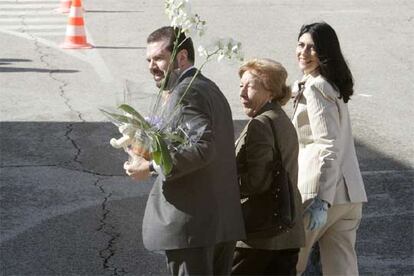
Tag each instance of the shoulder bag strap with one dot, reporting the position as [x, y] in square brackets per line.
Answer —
[276, 160]
[298, 97]
[288, 189]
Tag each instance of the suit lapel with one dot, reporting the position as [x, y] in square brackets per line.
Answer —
[241, 137]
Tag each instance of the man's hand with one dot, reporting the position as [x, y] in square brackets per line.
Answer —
[318, 213]
[137, 168]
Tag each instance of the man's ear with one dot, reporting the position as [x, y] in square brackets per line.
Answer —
[182, 58]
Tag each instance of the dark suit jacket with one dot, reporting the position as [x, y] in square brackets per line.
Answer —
[254, 151]
[197, 204]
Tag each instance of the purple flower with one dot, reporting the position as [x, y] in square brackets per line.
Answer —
[155, 121]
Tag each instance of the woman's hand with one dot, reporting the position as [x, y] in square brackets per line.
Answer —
[318, 213]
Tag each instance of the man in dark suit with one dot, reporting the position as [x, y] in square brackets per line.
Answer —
[194, 212]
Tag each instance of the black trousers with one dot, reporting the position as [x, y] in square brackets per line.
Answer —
[250, 261]
[212, 260]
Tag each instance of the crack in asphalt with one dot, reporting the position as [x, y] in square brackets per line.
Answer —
[109, 230]
[62, 93]
[69, 128]
[62, 83]
[106, 228]
[61, 87]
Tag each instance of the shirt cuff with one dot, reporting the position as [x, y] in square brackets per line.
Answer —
[157, 168]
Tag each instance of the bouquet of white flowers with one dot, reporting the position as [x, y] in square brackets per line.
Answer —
[153, 137]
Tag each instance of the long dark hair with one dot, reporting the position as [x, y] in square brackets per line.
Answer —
[332, 65]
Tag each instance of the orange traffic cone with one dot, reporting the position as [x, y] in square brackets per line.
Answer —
[75, 31]
[64, 6]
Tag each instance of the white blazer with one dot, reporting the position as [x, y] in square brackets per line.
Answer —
[328, 165]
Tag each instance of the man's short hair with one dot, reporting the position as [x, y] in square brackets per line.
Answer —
[170, 33]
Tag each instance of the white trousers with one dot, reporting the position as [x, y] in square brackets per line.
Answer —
[336, 241]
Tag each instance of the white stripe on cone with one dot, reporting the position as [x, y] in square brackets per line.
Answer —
[75, 31]
[75, 12]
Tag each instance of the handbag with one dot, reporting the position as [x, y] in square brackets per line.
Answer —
[272, 212]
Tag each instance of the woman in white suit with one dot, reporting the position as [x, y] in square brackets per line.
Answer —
[329, 178]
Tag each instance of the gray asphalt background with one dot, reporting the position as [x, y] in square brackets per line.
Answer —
[66, 206]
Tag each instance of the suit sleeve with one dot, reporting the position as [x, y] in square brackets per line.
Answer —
[323, 116]
[255, 159]
[195, 117]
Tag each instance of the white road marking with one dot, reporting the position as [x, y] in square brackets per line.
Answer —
[33, 12]
[33, 27]
[33, 20]
[28, 6]
[29, 1]
[61, 34]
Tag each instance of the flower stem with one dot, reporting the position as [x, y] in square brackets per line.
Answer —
[189, 85]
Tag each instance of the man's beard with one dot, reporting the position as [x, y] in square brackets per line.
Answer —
[170, 78]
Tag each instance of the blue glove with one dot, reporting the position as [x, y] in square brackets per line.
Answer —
[318, 213]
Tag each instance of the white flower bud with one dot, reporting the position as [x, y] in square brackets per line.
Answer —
[202, 51]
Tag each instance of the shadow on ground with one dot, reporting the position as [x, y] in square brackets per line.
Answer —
[66, 207]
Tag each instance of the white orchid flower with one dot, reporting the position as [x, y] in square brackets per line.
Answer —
[202, 51]
[220, 56]
[229, 48]
[223, 48]
[180, 15]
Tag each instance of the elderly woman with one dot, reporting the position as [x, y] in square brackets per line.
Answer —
[263, 92]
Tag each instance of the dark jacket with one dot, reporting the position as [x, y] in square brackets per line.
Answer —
[254, 151]
[197, 204]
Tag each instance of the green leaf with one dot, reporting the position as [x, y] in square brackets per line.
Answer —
[121, 118]
[165, 160]
[156, 156]
[175, 138]
[130, 110]
[155, 150]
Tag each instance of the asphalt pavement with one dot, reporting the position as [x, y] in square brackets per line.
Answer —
[66, 206]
